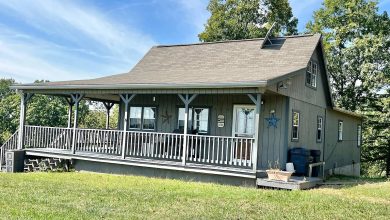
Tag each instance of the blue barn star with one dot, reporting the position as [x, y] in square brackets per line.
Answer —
[272, 121]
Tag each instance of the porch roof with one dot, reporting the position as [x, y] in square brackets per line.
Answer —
[227, 64]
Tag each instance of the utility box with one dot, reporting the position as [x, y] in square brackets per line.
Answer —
[14, 161]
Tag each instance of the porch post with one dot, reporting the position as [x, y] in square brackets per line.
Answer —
[24, 98]
[126, 98]
[76, 98]
[186, 100]
[70, 107]
[108, 106]
[257, 101]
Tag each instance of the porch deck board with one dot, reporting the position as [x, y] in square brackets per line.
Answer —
[142, 162]
[295, 183]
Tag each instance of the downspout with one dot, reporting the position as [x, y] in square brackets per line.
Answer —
[324, 144]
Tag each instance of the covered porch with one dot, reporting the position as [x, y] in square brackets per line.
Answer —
[183, 143]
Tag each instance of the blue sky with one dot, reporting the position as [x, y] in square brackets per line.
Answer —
[65, 40]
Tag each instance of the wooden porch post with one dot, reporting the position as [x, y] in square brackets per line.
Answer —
[186, 100]
[76, 98]
[25, 97]
[126, 98]
[257, 101]
[70, 106]
[108, 106]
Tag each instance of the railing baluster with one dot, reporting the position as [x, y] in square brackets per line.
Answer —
[208, 150]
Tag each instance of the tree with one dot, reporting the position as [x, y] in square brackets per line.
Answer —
[245, 19]
[376, 154]
[42, 110]
[96, 117]
[357, 48]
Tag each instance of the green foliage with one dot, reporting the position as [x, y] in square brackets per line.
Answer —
[42, 110]
[356, 41]
[96, 117]
[245, 19]
[357, 45]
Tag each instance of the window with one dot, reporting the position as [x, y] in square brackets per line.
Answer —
[319, 128]
[359, 135]
[135, 117]
[198, 119]
[201, 119]
[340, 131]
[149, 120]
[181, 118]
[142, 117]
[311, 74]
[295, 126]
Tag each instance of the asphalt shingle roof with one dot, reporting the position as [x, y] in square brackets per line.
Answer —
[228, 62]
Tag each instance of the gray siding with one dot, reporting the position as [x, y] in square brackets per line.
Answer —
[308, 125]
[218, 104]
[273, 141]
[341, 153]
[298, 89]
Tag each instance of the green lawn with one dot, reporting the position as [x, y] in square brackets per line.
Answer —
[92, 196]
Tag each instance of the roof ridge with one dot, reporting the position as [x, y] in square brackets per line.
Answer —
[231, 41]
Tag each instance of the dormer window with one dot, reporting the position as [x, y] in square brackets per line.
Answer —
[311, 74]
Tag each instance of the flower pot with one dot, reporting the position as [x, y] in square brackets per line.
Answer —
[279, 175]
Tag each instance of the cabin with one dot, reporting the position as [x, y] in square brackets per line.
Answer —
[222, 112]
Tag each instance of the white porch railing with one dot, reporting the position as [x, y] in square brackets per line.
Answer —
[99, 141]
[167, 146]
[201, 149]
[231, 151]
[47, 137]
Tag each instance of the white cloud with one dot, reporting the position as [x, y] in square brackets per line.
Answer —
[65, 40]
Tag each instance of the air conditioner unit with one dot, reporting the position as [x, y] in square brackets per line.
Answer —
[14, 161]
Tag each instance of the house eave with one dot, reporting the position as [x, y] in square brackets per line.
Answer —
[142, 86]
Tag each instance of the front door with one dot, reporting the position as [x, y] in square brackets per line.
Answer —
[243, 126]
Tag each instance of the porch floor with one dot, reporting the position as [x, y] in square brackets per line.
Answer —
[295, 183]
[141, 162]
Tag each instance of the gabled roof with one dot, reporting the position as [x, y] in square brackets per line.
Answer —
[240, 63]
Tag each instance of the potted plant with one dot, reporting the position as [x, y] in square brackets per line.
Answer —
[275, 173]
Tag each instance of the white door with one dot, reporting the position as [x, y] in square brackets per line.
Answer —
[244, 121]
[243, 126]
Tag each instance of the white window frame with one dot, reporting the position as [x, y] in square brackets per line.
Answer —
[141, 128]
[194, 121]
[143, 119]
[340, 130]
[191, 118]
[293, 125]
[311, 74]
[320, 128]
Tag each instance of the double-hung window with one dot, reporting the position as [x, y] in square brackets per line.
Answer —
[142, 118]
[340, 130]
[311, 74]
[320, 124]
[198, 119]
[295, 126]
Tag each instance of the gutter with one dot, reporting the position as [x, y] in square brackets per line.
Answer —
[142, 86]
